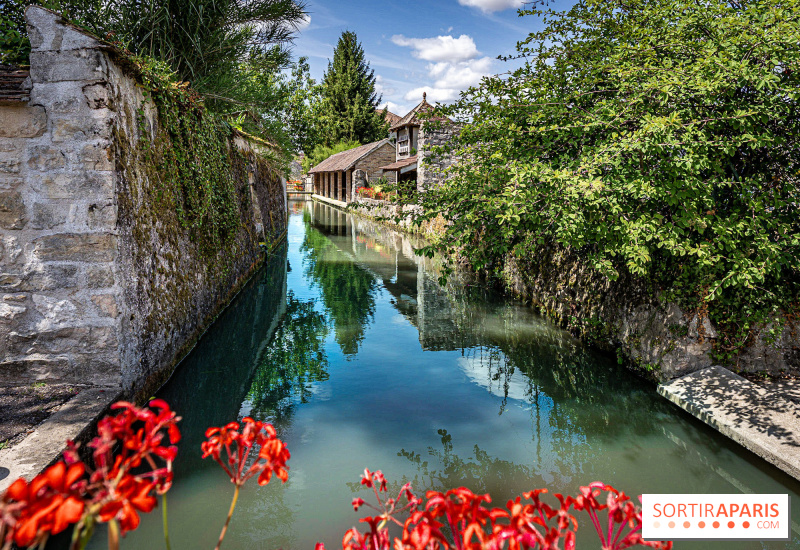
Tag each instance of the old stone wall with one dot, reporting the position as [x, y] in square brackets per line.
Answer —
[629, 315]
[100, 281]
[433, 157]
[372, 163]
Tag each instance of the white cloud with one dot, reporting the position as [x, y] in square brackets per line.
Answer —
[460, 75]
[396, 108]
[304, 23]
[488, 6]
[455, 65]
[435, 95]
[440, 48]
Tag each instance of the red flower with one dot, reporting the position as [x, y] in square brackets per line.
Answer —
[238, 444]
[129, 496]
[47, 505]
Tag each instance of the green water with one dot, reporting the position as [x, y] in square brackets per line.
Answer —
[346, 342]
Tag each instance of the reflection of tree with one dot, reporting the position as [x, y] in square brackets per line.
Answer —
[292, 362]
[348, 290]
[481, 472]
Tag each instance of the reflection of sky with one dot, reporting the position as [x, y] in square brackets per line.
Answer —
[394, 396]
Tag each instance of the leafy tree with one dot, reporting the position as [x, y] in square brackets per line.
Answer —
[348, 88]
[657, 138]
[304, 108]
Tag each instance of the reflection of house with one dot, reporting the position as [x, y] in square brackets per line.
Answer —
[338, 176]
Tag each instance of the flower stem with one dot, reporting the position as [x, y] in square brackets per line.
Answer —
[113, 535]
[164, 520]
[228, 520]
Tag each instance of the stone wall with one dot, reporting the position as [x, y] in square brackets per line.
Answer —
[628, 315]
[100, 284]
[433, 158]
[371, 164]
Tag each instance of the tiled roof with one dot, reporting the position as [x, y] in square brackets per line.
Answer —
[400, 164]
[346, 159]
[391, 118]
[12, 84]
[411, 118]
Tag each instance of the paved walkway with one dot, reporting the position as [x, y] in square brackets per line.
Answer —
[74, 420]
[764, 419]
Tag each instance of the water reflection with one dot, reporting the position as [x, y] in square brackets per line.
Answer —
[293, 362]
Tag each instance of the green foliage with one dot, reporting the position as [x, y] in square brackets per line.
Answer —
[196, 167]
[350, 101]
[322, 152]
[15, 47]
[656, 137]
[303, 109]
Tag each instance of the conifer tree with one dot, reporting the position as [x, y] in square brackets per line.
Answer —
[350, 97]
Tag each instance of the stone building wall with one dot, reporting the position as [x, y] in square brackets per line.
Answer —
[432, 163]
[99, 284]
[371, 164]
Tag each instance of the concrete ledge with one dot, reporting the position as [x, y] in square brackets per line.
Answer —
[326, 200]
[74, 420]
[764, 420]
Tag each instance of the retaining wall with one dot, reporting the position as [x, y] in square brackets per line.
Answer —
[101, 283]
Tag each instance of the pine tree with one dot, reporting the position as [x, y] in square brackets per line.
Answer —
[350, 97]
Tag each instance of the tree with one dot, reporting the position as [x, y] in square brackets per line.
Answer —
[304, 108]
[658, 138]
[348, 88]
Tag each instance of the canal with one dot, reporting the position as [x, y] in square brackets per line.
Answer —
[348, 345]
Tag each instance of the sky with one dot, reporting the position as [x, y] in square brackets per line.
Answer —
[436, 46]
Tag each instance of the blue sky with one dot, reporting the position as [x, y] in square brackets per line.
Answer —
[437, 46]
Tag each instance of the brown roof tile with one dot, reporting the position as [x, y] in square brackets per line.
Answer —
[400, 164]
[391, 118]
[346, 159]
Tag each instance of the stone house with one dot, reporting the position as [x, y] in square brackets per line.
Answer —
[338, 176]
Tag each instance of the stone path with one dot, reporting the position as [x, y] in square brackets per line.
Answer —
[74, 420]
[764, 419]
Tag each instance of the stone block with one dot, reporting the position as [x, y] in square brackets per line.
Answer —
[106, 305]
[9, 312]
[10, 182]
[33, 368]
[22, 121]
[76, 185]
[57, 341]
[12, 210]
[12, 249]
[101, 216]
[71, 65]
[15, 298]
[50, 31]
[81, 128]
[98, 96]
[11, 146]
[48, 215]
[99, 276]
[97, 156]
[60, 97]
[47, 277]
[9, 165]
[46, 158]
[87, 247]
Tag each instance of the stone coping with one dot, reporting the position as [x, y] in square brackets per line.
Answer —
[763, 419]
[334, 202]
[75, 421]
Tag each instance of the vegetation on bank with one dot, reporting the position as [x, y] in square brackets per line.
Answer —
[656, 138]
